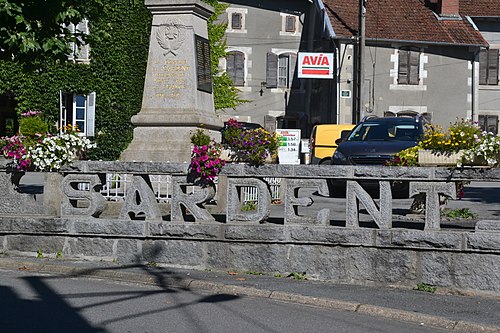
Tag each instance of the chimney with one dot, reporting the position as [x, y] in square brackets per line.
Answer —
[448, 7]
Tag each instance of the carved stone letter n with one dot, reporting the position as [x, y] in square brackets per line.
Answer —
[355, 194]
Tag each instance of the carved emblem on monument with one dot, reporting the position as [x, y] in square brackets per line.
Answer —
[170, 36]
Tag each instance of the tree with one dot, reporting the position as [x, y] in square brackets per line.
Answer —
[32, 31]
[225, 94]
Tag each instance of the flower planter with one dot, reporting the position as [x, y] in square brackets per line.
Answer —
[433, 158]
[229, 155]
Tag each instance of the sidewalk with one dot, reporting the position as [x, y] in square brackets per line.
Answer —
[465, 313]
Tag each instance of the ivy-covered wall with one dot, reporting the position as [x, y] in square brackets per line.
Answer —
[116, 73]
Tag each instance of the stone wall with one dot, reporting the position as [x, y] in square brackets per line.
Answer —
[185, 233]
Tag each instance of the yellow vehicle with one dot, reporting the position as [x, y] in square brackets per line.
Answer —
[322, 142]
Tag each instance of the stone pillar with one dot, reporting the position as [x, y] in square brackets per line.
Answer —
[177, 96]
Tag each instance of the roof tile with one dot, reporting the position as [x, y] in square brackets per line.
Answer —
[406, 20]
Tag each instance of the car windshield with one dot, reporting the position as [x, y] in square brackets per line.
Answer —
[385, 131]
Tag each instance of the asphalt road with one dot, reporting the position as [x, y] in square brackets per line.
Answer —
[42, 303]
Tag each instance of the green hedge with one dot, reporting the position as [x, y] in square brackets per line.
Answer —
[116, 74]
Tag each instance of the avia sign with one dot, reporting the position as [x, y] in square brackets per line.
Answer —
[315, 65]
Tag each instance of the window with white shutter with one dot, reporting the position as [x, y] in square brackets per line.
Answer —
[235, 67]
[77, 111]
[409, 67]
[488, 67]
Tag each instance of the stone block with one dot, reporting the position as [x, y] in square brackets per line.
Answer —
[127, 251]
[32, 225]
[383, 238]
[427, 239]
[90, 247]
[332, 235]
[26, 243]
[477, 271]
[106, 226]
[381, 265]
[483, 241]
[255, 232]
[217, 256]
[488, 225]
[437, 268]
[258, 257]
[173, 252]
[187, 230]
[332, 263]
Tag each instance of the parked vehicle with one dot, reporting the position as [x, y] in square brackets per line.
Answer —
[322, 142]
[374, 141]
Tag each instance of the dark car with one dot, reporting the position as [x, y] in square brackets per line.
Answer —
[374, 141]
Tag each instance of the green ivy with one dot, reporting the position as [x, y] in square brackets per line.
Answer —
[119, 44]
[116, 73]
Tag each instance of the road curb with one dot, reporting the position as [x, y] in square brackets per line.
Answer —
[222, 288]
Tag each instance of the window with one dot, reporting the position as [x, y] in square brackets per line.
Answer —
[79, 53]
[235, 67]
[280, 70]
[236, 21]
[408, 69]
[290, 23]
[78, 111]
[488, 123]
[488, 67]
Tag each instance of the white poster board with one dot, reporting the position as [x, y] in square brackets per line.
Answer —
[315, 65]
[288, 151]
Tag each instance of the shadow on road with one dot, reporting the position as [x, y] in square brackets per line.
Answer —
[49, 311]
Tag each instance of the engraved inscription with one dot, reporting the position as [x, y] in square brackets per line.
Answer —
[203, 67]
[170, 78]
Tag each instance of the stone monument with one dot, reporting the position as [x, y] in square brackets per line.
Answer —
[177, 96]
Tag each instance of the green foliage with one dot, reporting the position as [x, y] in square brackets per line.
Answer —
[426, 287]
[460, 213]
[225, 94]
[116, 73]
[249, 206]
[119, 41]
[250, 145]
[30, 126]
[254, 273]
[200, 138]
[407, 157]
[462, 134]
[34, 31]
[59, 255]
[39, 254]
[297, 275]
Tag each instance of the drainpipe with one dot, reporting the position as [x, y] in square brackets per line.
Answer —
[361, 60]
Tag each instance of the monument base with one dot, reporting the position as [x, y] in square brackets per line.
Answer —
[163, 144]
